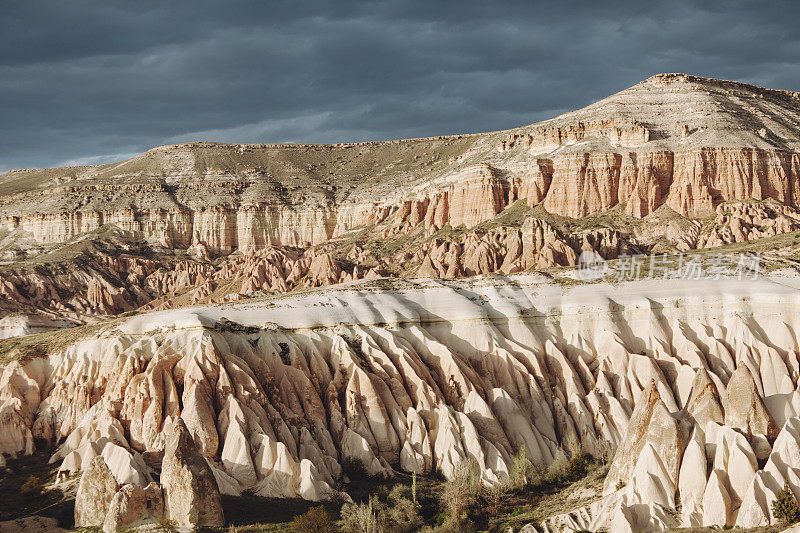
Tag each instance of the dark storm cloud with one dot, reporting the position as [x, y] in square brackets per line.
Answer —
[86, 82]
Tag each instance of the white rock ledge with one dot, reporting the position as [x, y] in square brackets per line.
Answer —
[419, 374]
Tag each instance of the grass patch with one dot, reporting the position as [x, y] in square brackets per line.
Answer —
[548, 499]
[251, 513]
[42, 344]
[19, 497]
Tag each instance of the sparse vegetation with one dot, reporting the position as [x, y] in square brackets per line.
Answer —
[557, 471]
[785, 507]
[459, 495]
[403, 504]
[24, 490]
[360, 518]
[496, 497]
[402, 513]
[576, 468]
[42, 344]
[315, 520]
[249, 513]
[392, 511]
[32, 487]
[523, 472]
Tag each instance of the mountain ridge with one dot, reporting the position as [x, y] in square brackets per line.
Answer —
[661, 78]
[674, 163]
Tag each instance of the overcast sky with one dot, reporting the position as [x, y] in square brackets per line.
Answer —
[86, 82]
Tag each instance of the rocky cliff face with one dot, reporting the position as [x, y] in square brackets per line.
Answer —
[576, 185]
[113, 276]
[108, 283]
[672, 164]
[275, 396]
[685, 142]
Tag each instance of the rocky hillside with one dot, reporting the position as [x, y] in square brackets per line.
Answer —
[671, 164]
[688, 388]
[676, 140]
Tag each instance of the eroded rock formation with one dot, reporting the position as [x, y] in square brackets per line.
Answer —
[115, 490]
[276, 397]
[191, 495]
[107, 283]
[642, 171]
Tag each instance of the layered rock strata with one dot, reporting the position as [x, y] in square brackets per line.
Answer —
[574, 185]
[680, 141]
[114, 280]
[109, 283]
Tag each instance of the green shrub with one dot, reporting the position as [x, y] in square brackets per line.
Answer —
[401, 514]
[33, 486]
[461, 493]
[354, 469]
[557, 470]
[393, 511]
[360, 518]
[495, 498]
[524, 473]
[576, 468]
[785, 507]
[439, 519]
[315, 520]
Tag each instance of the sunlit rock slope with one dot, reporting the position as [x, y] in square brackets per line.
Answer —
[661, 378]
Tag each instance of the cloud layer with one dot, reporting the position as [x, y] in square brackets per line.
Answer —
[86, 82]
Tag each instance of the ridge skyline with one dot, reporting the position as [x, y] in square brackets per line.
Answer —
[672, 76]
